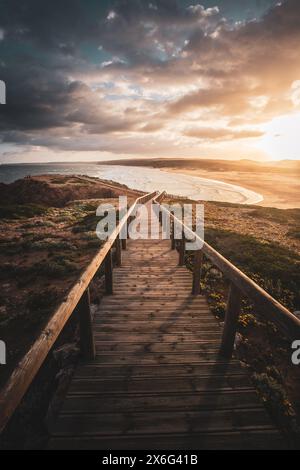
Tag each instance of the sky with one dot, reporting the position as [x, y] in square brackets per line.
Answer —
[94, 80]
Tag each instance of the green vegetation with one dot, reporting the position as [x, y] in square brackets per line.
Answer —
[20, 211]
[54, 268]
[52, 244]
[87, 224]
[38, 224]
[295, 233]
[270, 386]
[273, 267]
[277, 215]
[38, 242]
[42, 302]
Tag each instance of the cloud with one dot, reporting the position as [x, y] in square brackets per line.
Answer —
[210, 133]
[255, 59]
[99, 75]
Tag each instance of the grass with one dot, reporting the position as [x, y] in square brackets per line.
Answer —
[42, 302]
[295, 233]
[57, 267]
[87, 224]
[51, 244]
[38, 224]
[277, 215]
[273, 393]
[35, 242]
[21, 211]
[275, 268]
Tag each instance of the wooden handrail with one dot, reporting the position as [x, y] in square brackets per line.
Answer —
[20, 380]
[274, 311]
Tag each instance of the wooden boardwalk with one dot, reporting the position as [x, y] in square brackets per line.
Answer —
[158, 381]
[157, 375]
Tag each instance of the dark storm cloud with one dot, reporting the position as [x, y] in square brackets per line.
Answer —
[153, 32]
[53, 55]
[57, 24]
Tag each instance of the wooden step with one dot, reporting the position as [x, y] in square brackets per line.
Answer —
[162, 422]
[243, 399]
[255, 439]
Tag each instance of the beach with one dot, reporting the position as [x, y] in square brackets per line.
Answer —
[277, 182]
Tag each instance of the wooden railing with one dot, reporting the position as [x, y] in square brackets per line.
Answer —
[240, 285]
[79, 299]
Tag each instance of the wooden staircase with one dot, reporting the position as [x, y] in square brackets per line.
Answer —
[158, 381]
[157, 369]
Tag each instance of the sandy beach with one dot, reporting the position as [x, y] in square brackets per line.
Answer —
[177, 183]
[278, 183]
[281, 191]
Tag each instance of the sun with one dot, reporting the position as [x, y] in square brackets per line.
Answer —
[282, 138]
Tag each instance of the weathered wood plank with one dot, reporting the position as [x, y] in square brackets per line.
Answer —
[109, 283]
[266, 439]
[169, 422]
[87, 343]
[242, 399]
[231, 321]
[160, 385]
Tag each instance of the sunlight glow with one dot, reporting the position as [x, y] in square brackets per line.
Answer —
[281, 139]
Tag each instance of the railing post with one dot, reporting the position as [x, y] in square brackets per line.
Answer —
[194, 218]
[173, 241]
[87, 344]
[231, 321]
[118, 252]
[198, 259]
[182, 250]
[109, 273]
[129, 220]
[124, 244]
[160, 216]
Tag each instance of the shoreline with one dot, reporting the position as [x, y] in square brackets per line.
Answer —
[148, 179]
[276, 184]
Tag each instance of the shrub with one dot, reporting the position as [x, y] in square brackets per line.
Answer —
[42, 302]
[19, 211]
[52, 244]
[294, 233]
[275, 397]
[246, 320]
[273, 267]
[54, 268]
